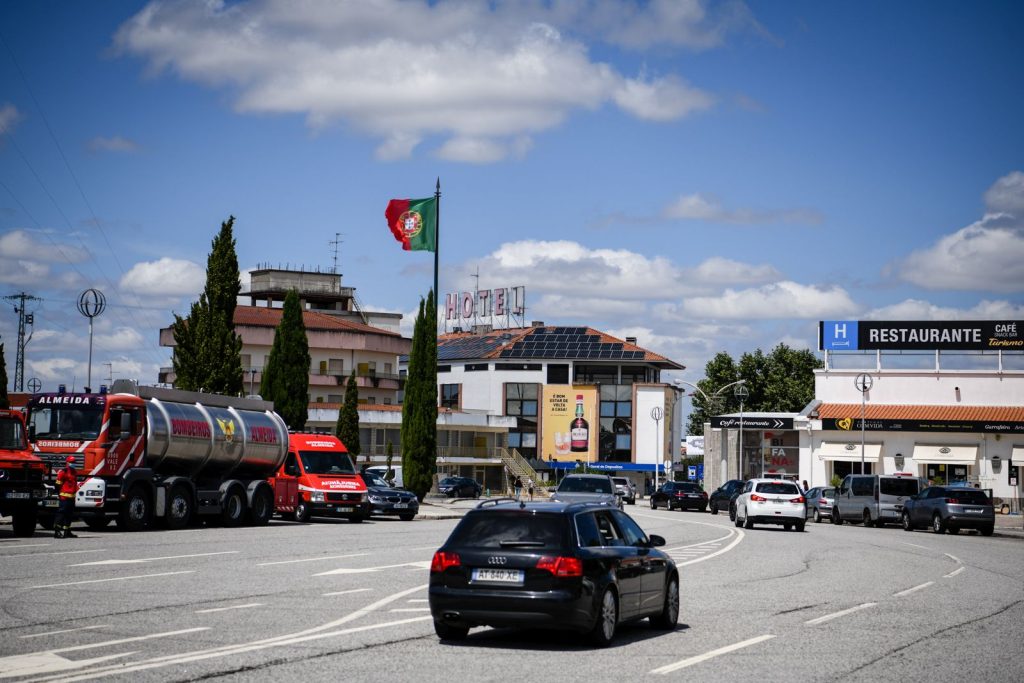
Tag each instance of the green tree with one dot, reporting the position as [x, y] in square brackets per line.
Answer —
[286, 377]
[347, 428]
[419, 409]
[719, 371]
[4, 401]
[207, 351]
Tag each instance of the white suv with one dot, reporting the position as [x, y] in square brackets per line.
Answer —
[771, 501]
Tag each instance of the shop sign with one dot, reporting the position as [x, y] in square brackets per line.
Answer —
[958, 335]
[848, 424]
[779, 423]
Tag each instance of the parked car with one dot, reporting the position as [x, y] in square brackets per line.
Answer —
[572, 566]
[627, 488]
[949, 508]
[819, 502]
[684, 495]
[771, 501]
[873, 499]
[587, 488]
[459, 487]
[722, 497]
[388, 500]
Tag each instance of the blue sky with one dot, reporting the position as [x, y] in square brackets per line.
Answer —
[705, 176]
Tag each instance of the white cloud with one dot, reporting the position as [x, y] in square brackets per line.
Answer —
[778, 300]
[165, 277]
[9, 116]
[23, 244]
[699, 207]
[917, 309]
[475, 75]
[113, 144]
[1007, 195]
[121, 339]
[718, 271]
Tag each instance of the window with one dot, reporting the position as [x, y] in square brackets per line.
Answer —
[387, 368]
[521, 401]
[499, 530]
[778, 489]
[477, 367]
[558, 374]
[862, 486]
[450, 396]
[595, 374]
[631, 532]
[615, 440]
[336, 366]
[246, 361]
[517, 366]
[586, 530]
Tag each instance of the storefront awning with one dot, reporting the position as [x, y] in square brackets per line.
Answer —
[848, 451]
[957, 455]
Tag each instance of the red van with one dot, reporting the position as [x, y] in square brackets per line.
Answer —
[318, 479]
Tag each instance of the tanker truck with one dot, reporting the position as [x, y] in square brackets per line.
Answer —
[21, 474]
[156, 455]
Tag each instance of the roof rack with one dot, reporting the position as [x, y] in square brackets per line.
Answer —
[495, 501]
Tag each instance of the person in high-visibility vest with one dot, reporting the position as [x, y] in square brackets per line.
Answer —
[67, 480]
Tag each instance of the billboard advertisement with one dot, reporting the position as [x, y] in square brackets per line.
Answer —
[956, 335]
[570, 423]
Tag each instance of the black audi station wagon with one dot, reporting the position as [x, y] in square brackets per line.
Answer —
[575, 566]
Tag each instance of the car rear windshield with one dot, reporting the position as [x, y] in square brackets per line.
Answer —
[777, 487]
[899, 487]
[970, 496]
[622, 481]
[585, 485]
[494, 529]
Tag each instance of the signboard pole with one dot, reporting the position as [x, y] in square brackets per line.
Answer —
[656, 415]
[863, 384]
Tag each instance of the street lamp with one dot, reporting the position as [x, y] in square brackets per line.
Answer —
[713, 398]
[863, 383]
[741, 393]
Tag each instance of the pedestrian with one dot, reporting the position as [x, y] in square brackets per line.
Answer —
[806, 488]
[529, 487]
[517, 484]
[67, 481]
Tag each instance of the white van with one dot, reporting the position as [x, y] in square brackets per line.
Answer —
[874, 499]
[382, 471]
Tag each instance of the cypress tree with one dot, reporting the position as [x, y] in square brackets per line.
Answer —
[4, 401]
[419, 411]
[286, 377]
[207, 351]
[347, 428]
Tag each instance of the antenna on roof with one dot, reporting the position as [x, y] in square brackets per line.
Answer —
[334, 243]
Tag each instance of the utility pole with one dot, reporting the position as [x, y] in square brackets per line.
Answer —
[23, 320]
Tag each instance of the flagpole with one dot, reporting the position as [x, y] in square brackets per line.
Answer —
[437, 240]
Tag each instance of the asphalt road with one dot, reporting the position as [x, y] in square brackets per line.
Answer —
[347, 602]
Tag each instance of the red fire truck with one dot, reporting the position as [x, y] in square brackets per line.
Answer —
[153, 454]
[318, 479]
[21, 474]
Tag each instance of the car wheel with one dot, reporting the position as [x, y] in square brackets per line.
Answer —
[938, 526]
[836, 518]
[302, 512]
[987, 530]
[669, 614]
[953, 530]
[713, 509]
[817, 516]
[747, 524]
[732, 513]
[607, 619]
[787, 527]
[737, 521]
[448, 632]
[800, 525]
[406, 517]
[653, 505]
[906, 523]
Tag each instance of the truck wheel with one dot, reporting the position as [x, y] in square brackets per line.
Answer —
[96, 523]
[232, 511]
[302, 512]
[262, 507]
[179, 508]
[135, 510]
[24, 522]
[356, 519]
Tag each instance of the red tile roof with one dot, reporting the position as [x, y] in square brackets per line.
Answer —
[261, 316]
[923, 412]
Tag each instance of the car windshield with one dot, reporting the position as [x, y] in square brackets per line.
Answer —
[621, 481]
[326, 462]
[12, 436]
[899, 487]
[777, 487]
[374, 480]
[66, 423]
[450, 481]
[828, 493]
[509, 530]
[969, 496]
[585, 485]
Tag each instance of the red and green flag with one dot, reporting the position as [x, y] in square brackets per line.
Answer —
[413, 222]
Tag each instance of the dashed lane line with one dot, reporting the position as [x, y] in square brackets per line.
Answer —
[225, 609]
[63, 630]
[311, 559]
[954, 573]
[690, 661]
[912, 590]
[840, 613]
[115, 578]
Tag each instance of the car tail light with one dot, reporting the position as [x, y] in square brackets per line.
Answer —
[561, 566]
[703, 494]
[758, 498]
[443, 561]
[798, 499]
[953, 501]
[822, 501]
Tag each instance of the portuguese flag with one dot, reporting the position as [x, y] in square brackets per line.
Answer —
[413, 222]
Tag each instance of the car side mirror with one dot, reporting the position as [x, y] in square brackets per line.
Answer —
[656, 540]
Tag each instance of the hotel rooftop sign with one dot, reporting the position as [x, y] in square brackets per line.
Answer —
[955, 335]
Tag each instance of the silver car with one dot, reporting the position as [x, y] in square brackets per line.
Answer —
[819, 502]
[588, 488]
[627, 488]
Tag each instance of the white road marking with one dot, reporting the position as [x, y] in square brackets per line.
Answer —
[116, 578]
[24, 545]
[63, 630]
[914, 545]
[417, 600]
[310, 559]
[690, 661]
[225, 609]
[59, 552]
[46, 663]
[841, 613]
[133, 639]
[411, 609]
[354, 590]
[368, 570]
[151, 559]
[912, 590]
[954, 573]
[955, 559]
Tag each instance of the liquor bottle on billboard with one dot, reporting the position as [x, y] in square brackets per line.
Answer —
[579, 429]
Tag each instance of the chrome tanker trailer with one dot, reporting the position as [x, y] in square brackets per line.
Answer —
[149, 454]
